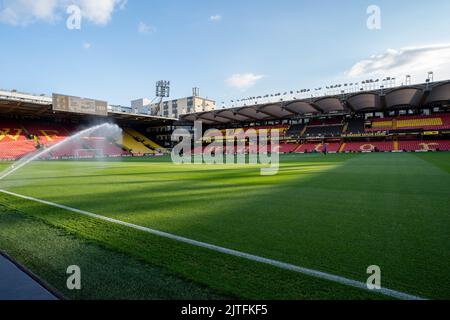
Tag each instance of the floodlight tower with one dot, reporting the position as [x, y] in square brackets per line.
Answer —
[408, 80]
[162, 91]
[430, 79]
[196, 92]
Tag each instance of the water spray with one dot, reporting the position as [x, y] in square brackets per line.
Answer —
[23, 162]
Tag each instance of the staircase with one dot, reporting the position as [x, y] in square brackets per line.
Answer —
[394, 124]
[297, 148]
[344, 130]
[396, 147]
[303, 131]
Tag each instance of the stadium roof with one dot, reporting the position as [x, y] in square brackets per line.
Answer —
[41, 106]
[376, 100]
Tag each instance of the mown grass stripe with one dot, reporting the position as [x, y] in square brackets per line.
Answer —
[286, 266]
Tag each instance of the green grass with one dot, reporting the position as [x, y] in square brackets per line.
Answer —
[337, 214]
[106, 274]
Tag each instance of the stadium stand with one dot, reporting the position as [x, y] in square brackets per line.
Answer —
[133, 146]
[70, 150]
[423, 122]
[405, 120]
[16, 150]
[282, 129]
[47, 133]
[19, 138]
[368, 146]
[432, 122]
[12, 132]
[198, 150]
[150, 144]
[426, 145]
[355, 126]
[324, 131]
[14, 142]
[107, 147]
[288, 147]
[295, 130]
[318, 147]
[326, 122]
[329, 127]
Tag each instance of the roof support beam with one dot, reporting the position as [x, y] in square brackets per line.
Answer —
[42, 111]
[246, 115]
[311, 104]
[383, 102]
[424, 97]
[294, 112]
[349, 105]
[261, 110]
[286, 107]
[283, 108]
[315, 106]
[226, 117]
[202, 117]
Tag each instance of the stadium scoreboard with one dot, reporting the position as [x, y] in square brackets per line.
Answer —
[79, 105]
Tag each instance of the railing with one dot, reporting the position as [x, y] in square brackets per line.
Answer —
[17, 96]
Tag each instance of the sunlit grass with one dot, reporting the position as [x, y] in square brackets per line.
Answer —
[336, 213]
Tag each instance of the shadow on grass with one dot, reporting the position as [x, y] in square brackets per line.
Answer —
[330, 220]
[106, 274]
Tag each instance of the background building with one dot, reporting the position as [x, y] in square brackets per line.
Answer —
[173, 108]
[141, 105]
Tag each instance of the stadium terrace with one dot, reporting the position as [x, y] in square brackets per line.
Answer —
[262, 146]
[401, 119]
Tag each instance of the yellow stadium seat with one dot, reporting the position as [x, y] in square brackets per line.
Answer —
[144, 139]
[427, 122]
[134, 146]
[382, 124]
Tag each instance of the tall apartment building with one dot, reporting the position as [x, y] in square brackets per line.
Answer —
[174, 108]
[141, 105]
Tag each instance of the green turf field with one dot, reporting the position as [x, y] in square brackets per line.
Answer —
[337, 213]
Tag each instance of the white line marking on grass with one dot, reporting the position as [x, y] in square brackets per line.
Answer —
[275, 263]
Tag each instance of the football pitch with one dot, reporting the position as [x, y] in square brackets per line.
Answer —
[337, 214]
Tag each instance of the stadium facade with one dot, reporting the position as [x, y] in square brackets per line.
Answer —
[406, 118]
[173, 108]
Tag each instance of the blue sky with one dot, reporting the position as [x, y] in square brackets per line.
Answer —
[230, 49]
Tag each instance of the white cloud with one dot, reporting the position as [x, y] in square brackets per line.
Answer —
[415, 61]
[87, 45]
[144, 28]
[98, 11]
[243, 81]
[215, 18]
[25, 12]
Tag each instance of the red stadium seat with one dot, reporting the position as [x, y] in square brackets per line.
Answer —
[428, 145]
[368, 146]
[318, 147]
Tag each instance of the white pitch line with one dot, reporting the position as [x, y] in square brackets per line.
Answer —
[275, 263]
